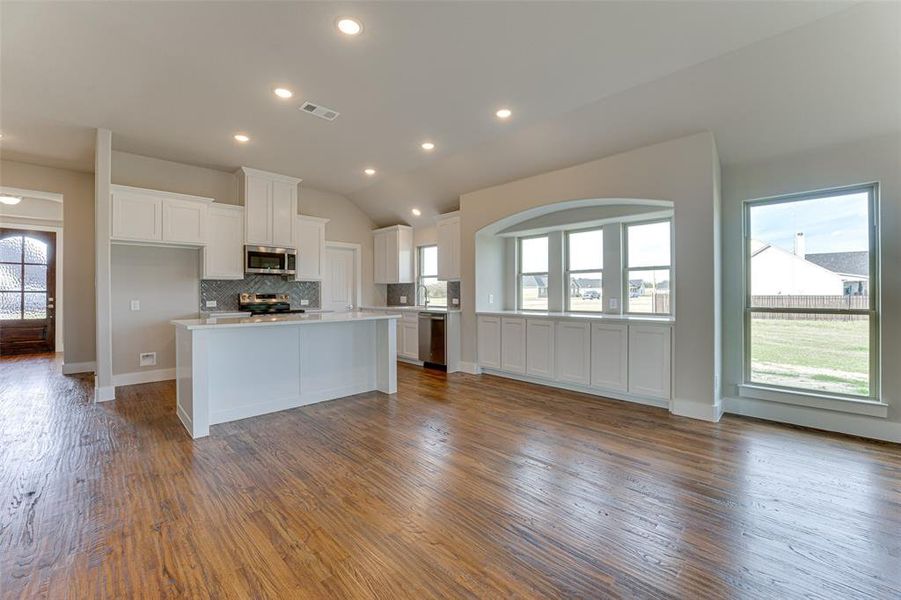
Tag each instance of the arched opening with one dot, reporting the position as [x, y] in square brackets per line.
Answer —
[27, 284]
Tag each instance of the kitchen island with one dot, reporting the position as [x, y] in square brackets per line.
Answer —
[233, 368]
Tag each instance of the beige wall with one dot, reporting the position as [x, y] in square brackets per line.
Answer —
[77, 189]
[166, 281]
[156, 174]
[682, 171]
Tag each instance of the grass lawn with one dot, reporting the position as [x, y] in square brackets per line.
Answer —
[831, 356]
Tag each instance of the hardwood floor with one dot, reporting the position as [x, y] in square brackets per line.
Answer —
[460, 486]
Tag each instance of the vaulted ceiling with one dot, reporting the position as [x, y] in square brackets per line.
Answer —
[176, 80]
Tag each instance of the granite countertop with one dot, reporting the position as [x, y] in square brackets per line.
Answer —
[431, 309]
[283, 320]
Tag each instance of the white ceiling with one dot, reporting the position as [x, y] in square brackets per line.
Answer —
[175, 80]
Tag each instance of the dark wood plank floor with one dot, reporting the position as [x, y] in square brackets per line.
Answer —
[460, 486]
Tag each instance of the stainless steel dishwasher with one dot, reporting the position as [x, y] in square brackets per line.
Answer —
[432, 341]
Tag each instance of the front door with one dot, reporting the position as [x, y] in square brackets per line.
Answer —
[338, 290]
[27, 286]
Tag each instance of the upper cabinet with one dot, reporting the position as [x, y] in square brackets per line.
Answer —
[393, 254]
[309, 234]
[270, 207]
[156, 217]
[223, 255]
[449, 246]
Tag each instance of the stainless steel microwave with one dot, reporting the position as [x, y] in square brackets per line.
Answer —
[270, 261]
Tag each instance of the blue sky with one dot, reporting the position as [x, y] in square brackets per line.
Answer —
[833, 224]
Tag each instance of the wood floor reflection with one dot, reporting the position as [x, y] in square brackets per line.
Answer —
[460, 486]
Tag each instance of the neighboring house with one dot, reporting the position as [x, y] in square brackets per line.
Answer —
[536, 281]
[852, 267]
[778, 272]
[578, 285]
[636, 288]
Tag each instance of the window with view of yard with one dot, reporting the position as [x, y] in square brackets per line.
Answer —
[584, 270]
[648, 267]
[810, 308]
[432, 292]
[533, 273]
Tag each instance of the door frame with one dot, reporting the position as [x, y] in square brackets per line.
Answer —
[358, 274]
[58, 325]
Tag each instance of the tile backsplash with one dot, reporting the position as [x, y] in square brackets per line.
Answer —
[396, 290]
[453, 291]
[225, 291]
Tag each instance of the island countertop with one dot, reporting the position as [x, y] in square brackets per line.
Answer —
[283, 320]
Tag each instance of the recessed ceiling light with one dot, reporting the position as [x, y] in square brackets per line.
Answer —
[349, 26]
[10, 199]
[416, 212]
[504, 113]
[283, 93]
[370, 171]
[428, 146]
[240, 137]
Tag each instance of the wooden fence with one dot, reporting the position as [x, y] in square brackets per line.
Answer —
[795, 302]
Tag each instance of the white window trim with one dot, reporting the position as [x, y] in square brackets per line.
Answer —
[624, 301]
[420, 275]
[872, 405]
[520, 273]
[567, 272]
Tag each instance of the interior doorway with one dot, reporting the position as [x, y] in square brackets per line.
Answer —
[27, 291]
[341, 284]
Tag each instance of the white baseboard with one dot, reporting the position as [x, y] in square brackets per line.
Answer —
[143, 377]
[859, 425]
[696, 410]
[184, 418]
[105, 393]
[612, 394]
[79, 367]
[470, 367]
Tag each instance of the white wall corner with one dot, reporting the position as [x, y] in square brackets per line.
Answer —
[470, 367]
[79, 367]
[105, 390]
[696, 410]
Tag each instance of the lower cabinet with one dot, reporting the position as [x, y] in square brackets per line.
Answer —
[573, 352]
[540, 348]
[610, 356]
[408, 336]
[490, 342]
[513, 345]
[649, 361]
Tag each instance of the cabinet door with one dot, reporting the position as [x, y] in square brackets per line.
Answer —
[574, 352]
[410, 342]
[184, 221]
[490, 342]
[284, 211]
[649, 360]
[540, 348]
[380, 257]
[609, 356]
[513, 345]
[223, 256]
[446, 249]
[257, 211]
[309, 242]
[137, 217]
[392, 259]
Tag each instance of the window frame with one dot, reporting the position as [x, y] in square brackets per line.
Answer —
[624, 236]
[567, 271]
[520, 273]
[420, 276]
[785, 393]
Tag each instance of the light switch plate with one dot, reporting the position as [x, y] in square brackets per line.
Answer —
[135, 305]
[212, 303]
[304, 302]
[613, 303]
[403, 299]
[456, 302]
[147, 359]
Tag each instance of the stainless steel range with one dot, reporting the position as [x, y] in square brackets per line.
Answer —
[266, 304]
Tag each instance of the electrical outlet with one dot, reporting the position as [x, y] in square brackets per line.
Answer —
[456, 302]
[211, 304]
[304, 302]
[135, 305]
[403, 299]
[613, 303]
[147, 359]
[490, 298]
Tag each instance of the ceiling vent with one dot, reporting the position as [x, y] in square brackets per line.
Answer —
[319, 111]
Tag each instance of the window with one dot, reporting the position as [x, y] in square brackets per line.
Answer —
[810, 301]
[584, 270]
[431, 291]
[533, 273]
[23, 278]
[648, 267]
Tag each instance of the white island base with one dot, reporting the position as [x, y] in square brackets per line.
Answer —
[230, 369]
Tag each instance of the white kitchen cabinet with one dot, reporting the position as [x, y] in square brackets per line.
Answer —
[609, 356]
[573, 352]
[513, 345]
[409, 336]
[449, 247]
[649, 360]
[158, 217]
[490, 342]
[540, 348]
[393, 254]
[270, 205]
[309, 241]
[223, 255]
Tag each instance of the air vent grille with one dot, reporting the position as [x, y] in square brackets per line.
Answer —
[320, 111]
